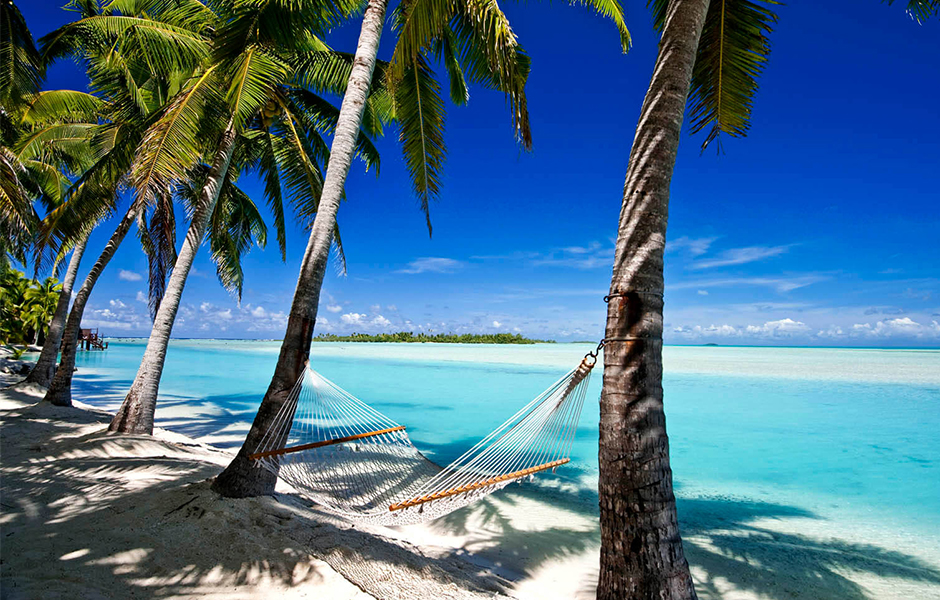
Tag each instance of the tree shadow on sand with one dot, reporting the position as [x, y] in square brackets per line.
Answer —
[102, 495]
[98, 515]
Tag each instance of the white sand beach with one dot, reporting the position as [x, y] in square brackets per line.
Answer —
[137, 514]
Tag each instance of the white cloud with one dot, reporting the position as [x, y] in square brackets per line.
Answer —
[117, 304]
[740, 256]
[380, 321]
[334, 308]
[902, 327]
[352, 318]
[258, 312]
[695, 246]
[703, 292]
[124, 275]
[698, 331]
[375, 308]
[225, 314]
[590, 256]
[431, 264]
[781, 284]
[141, 297]
[780, 328]
[497, 324]
[391, 308]
[834, 331]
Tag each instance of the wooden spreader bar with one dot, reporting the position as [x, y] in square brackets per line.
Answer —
[339, 440]
[477, 485]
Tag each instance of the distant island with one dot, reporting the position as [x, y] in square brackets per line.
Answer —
[408, 337]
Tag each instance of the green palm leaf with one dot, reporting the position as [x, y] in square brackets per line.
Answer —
[158, 240]
[21, 67]
[732, 53]
[255, 75]
[170, 147]
[163, 47]
[62, 106]
[921, 10]
[421, 121]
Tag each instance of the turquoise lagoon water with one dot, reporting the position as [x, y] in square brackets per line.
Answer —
[848, 434]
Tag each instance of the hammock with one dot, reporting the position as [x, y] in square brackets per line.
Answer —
[357, 463]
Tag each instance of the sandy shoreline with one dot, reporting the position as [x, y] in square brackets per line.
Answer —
[91, 515]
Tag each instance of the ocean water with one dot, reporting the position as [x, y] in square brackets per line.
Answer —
[838, 435]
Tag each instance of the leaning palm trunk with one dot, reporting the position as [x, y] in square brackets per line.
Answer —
[240, 479]
[60, 392]
[44, 370]
[137, 410]
[641, 551]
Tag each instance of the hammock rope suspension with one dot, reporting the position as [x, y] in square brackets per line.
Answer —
[357, 463]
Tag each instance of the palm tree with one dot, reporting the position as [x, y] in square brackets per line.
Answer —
[55, 143]
[43, 139]
[41, 300]
[476, 43]
[270, 104]
[715, 52]
[138, 83]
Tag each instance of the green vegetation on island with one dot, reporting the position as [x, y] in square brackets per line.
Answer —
[440, 338]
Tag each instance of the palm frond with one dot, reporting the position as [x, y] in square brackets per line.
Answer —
[491, 55]
[921, 10]
[162, 47]
[254, 76]
[419, 23]
[315, 114]
[732, 53]
[21, 66]
[336, 247]
[447, 47]
[62, 106]
[158, 239]
[268, 166]
[300, 172]
[421, 122]
[17, 216]
[170, 147]
[234, 227]
[612, 10]
[39, 141]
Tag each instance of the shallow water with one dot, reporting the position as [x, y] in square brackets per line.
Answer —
[841, 435]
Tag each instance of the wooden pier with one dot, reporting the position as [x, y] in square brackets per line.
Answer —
[90, 340]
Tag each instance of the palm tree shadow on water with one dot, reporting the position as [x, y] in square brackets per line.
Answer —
[731, 544]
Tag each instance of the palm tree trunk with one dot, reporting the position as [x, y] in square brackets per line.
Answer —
[60, 392]
[641, 551]
[137, 410]
[241, 479]
[45, 367]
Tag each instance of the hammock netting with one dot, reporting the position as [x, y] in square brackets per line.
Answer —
[357, 463]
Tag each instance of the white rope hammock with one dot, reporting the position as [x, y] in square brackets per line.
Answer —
[357, 463]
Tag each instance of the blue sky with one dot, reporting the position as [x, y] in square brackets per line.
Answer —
[819, 228]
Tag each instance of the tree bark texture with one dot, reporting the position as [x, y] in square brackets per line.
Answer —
[137, 411]
[641, 551]
[242, 478]
[60, 392]
[44, 369]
